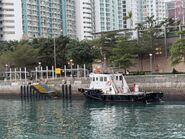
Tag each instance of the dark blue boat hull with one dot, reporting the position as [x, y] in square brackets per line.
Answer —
[148, 97]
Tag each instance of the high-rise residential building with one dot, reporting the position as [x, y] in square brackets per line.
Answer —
[108, 15]
[143, 8]
[68, 18]
[176, 10]
[136, 7]
[10, 20]
[85, 19]
[41, 18]
[124, 4]
[154, 8]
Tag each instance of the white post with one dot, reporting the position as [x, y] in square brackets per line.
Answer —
[15, 74]
[84, 71]
[20, 73]
[65, 71]
[71, 70]
[10, 74]
[53, 76]
[47, 72]
[150, 63]
[25, 78]
[78, 74]
[36, 73]
[55, 59]
[41, 72]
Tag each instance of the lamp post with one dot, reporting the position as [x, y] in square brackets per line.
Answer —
[6, 74]
[71, 64]
[54, 49]
[39, 69]
[150, 63]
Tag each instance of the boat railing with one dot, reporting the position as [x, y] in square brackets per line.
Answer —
[115, 86]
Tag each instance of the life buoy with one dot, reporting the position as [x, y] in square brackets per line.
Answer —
[109, 83]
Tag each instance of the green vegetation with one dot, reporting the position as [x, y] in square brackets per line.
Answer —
[29, 53]
[177, 52]
[119, 50]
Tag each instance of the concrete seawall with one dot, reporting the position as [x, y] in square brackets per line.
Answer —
[173, 86]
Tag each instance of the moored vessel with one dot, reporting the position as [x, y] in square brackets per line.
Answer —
[114, 88]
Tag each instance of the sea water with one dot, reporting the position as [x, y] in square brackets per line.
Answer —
[83, 119]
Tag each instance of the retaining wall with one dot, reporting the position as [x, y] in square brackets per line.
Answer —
[173, 86]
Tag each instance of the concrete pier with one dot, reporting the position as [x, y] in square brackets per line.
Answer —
[173, 86]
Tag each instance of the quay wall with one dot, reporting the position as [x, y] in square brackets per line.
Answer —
[172, 85]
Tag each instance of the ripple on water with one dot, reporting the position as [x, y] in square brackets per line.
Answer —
[79, 119]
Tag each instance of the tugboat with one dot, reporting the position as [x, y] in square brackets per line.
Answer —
[114, 88]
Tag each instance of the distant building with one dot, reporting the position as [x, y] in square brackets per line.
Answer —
[109, 15]
[145, 8]
[176, 10]
[77, 19]
[68, 18]
[41, 18]
[85, 19]
[10, 20]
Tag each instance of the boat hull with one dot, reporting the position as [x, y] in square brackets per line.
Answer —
[147, 97]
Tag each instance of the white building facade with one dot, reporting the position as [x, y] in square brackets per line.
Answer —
[143, 8]
[85, 19]
[108, 15]
[10, 20]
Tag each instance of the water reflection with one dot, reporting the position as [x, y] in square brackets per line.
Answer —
[79, 119]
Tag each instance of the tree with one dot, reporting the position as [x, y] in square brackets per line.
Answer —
[149, 36]
[46, 50]
[129, 17]
[105, 44]
[81, 52]
[21, 56]
[124, 53]
[177, 52]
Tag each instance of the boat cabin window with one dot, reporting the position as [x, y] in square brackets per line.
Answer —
[101, 79]
[105, 79]
[96, 78]
[116, 77]
[93, 78]
[120, 78]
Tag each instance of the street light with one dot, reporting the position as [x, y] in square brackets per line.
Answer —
[39, 69]
[54, 50]
[71, 64]
[55, 59]
[6, 74]
[150, 62]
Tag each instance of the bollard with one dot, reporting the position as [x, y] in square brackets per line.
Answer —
[27, 92]
[69, 87]
[66, 91]
[63, 90]
[22, 91]
[30, 90]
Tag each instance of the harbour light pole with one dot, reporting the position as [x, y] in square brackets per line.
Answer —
[150, 63]
[71, 64]
[54, 49]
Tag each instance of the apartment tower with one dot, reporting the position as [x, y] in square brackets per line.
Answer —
[41, 18]
[10, 20]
